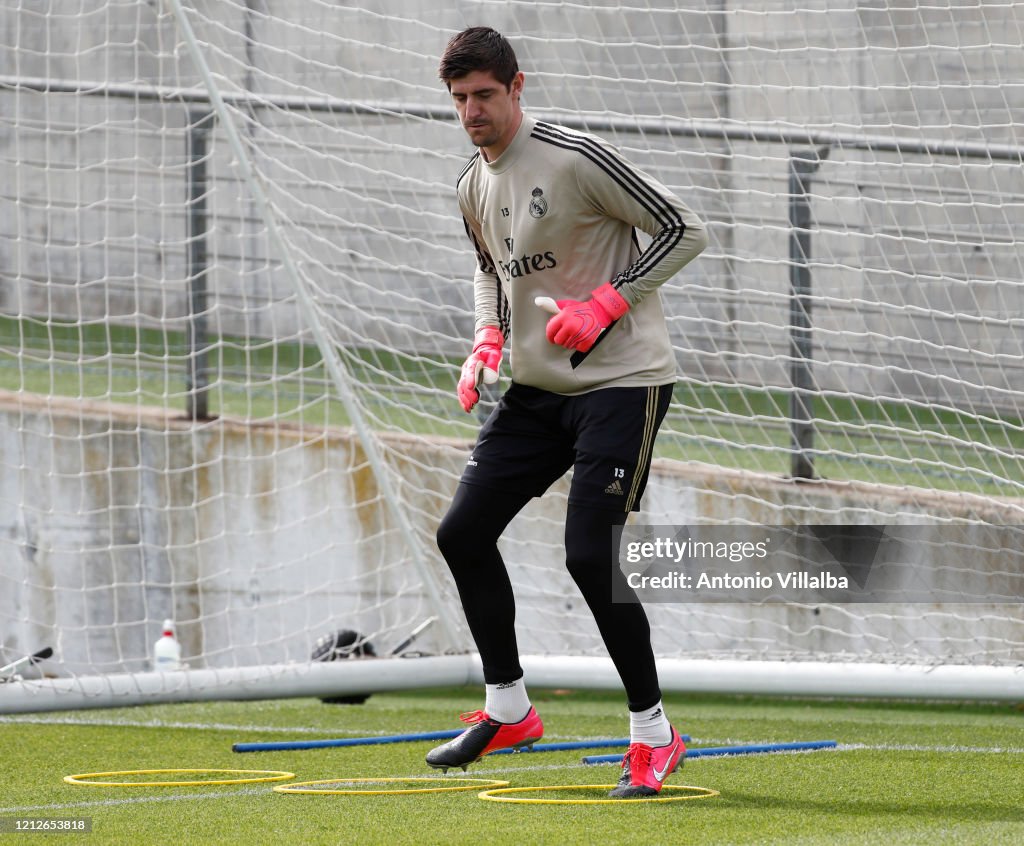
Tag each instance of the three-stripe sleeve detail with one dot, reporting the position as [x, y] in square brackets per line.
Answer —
[673, 226]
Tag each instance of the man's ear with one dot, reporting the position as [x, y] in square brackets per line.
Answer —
[516, 88]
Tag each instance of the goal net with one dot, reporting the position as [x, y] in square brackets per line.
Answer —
[235, 293]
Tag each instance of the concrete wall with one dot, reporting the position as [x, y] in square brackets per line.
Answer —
[260, 539]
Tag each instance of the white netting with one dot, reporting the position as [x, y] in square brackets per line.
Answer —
[261, 223]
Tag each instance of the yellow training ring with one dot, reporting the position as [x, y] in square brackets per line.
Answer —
[250, 777]
[451, 784]
[503, 795]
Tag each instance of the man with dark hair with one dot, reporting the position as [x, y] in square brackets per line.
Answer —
[479, 48]
[552, 215]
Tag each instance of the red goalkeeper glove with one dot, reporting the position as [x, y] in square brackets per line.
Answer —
[482, 364]
[577, 325]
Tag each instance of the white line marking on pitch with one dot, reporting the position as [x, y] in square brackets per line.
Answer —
[134, 800]
[911, 747]
[163, 724]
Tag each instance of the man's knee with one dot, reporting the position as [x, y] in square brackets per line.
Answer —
[590, 542]
[453, 535]
[473, 522]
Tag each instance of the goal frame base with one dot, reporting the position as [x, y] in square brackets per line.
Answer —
[798, 678]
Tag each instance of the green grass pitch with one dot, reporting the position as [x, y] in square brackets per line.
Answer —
[904, 773]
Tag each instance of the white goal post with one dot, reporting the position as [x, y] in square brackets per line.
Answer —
[235, 292]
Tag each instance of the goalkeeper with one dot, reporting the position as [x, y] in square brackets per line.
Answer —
[552, 215]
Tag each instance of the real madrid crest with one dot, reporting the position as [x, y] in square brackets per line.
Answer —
[538, 205]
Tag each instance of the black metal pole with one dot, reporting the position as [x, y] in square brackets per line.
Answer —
[801, 398]
[196, 369]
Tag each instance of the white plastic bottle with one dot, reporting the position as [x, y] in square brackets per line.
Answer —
[167, 650]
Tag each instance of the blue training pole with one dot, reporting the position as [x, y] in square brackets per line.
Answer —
[576, 744]
[286, 745]
[715, 751]
[293, 745]
[562, 747]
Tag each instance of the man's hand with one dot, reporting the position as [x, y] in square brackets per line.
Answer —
[577, 325]
[482, 364]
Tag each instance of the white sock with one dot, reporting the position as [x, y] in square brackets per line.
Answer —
[650, 726]
[507, 702]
